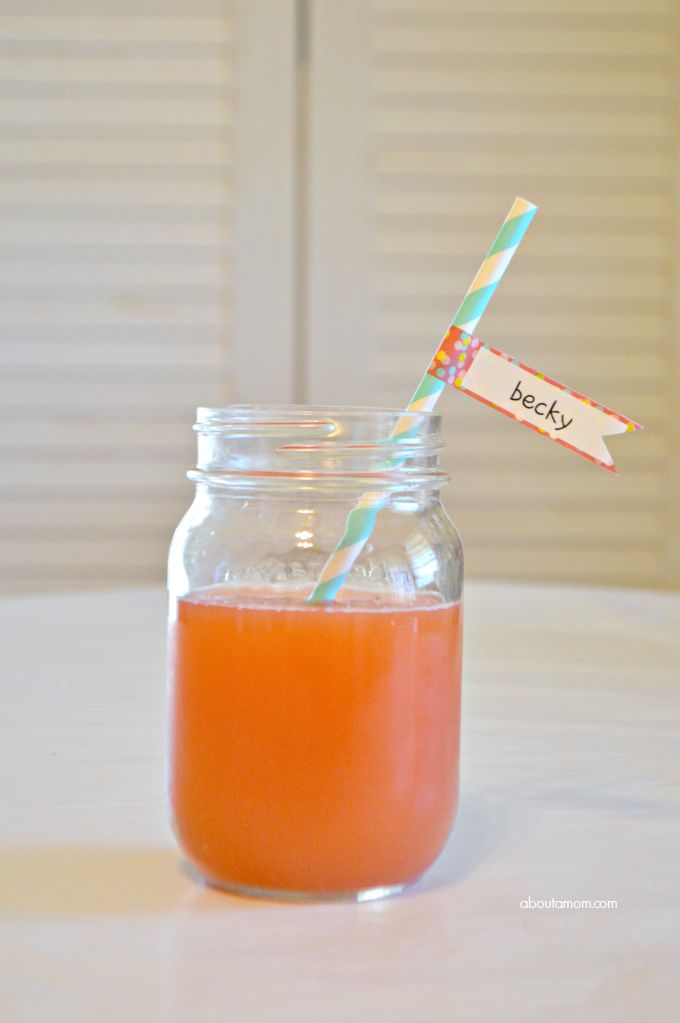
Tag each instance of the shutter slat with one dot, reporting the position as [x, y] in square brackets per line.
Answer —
[102, 28]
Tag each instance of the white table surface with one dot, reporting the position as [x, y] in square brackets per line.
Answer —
[570, 791]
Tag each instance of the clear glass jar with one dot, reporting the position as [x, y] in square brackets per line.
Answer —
[313, 747]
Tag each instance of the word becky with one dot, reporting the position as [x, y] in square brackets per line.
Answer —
[541, 408]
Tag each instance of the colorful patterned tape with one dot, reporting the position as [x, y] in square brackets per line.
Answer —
[361, 519]
[454, 358]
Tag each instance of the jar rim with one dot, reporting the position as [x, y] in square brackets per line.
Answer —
[337, 445]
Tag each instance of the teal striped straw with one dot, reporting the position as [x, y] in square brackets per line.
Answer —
[361, 519]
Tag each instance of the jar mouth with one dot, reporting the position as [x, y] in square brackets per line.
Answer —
[271, 417]
[318, 442]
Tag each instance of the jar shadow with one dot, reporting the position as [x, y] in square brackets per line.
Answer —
[77, 880]
[483, 825]
[81, 880]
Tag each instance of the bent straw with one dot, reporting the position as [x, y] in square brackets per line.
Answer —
[361, 519]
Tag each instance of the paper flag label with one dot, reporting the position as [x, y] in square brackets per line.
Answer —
[530, 397]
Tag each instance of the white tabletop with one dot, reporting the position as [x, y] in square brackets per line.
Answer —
[570, 791]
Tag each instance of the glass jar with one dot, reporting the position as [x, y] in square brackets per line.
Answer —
[313, 747]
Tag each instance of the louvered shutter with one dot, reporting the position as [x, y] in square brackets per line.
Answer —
[458, 106]
[131, 137]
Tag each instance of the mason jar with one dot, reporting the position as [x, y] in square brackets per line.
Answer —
[314, 744]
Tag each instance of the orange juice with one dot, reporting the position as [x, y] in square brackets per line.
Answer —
[314, 749]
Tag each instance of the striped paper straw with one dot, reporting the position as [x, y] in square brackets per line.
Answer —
[361, 519]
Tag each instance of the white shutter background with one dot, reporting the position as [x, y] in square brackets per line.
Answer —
[117, 228]
[459, 106]
[168, 202]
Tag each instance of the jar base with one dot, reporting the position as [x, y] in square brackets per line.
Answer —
[285, 895]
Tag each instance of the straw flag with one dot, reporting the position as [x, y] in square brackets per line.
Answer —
[532, 398]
